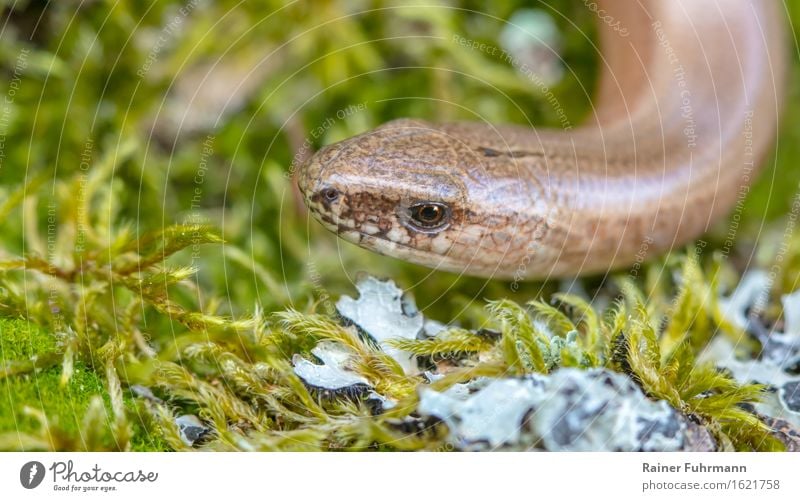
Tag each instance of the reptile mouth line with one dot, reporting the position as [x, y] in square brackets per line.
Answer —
[343, 230]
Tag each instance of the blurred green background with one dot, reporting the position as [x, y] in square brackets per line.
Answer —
[123, 118]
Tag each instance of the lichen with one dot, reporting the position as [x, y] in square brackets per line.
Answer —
[568, 410]
[333, 374]
[151, 273]
[383, 313]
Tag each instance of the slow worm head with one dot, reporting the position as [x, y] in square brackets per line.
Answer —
[687, 108]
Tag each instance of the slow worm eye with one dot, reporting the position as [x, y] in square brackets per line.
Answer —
[429, 215]
[330, 194]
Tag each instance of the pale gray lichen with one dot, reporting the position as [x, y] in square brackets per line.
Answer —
[383, 312]
[145, 393]
[432, 328]
[752, 292]
[380, 403]
[191, 429]
[776, 366]
[568, 410]
[781, 401]
[493, 415]
[791, 314]
[780, 348]
[432, 377]
[334, 373]
[789, 394]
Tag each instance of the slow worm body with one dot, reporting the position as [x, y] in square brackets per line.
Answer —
[687, 108]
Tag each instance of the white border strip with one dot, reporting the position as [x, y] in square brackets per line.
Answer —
[423, 476]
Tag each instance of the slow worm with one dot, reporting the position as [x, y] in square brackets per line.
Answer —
[686, 110]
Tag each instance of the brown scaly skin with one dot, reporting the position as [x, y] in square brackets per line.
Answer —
[687, 108]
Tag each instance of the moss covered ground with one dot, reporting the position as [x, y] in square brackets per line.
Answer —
[137, 252]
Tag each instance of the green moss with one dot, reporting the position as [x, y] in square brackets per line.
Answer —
[109, 272]
[21, 340]
[63, 407]
[27, 398]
